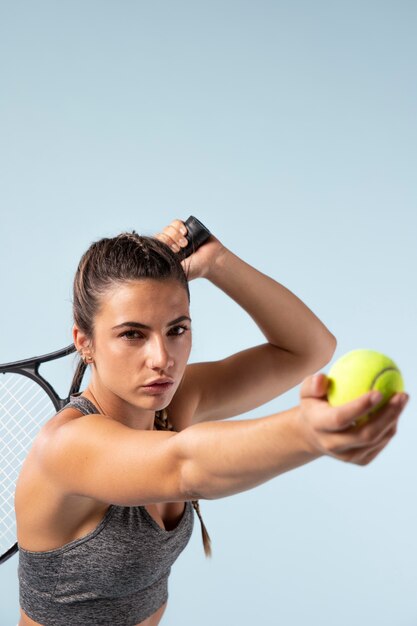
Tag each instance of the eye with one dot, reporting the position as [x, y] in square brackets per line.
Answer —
[131, 334]
[184, 329]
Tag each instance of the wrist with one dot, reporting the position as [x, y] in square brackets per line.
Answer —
[300, 428]
[217, 267]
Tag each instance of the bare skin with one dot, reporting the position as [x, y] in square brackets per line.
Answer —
[202, 393]
[64, 518]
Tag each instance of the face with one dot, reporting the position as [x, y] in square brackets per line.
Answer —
[127, 356]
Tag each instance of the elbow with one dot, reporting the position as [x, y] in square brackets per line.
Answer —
[331, 345]
[328, 350]
[323, 352]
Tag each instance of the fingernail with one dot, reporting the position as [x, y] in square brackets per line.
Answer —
[404, 399]
[376, 397]
[400, 400]
[183, 241]
[183, 230]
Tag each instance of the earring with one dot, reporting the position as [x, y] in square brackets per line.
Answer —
[86, 359]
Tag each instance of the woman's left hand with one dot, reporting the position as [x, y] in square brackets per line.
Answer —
[198, 264]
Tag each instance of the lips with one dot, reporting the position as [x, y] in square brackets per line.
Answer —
[158, 381]
[158, 388]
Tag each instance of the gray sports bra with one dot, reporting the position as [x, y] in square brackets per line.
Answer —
[115, 575]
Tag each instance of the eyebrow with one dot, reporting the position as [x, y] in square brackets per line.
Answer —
[139, 325]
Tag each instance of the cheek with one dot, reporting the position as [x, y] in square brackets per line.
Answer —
[184, 349]
[118, 360]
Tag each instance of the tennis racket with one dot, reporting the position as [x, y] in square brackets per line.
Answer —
[28, 401]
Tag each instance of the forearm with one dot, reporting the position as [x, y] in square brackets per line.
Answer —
[224, 458]
[283, 318]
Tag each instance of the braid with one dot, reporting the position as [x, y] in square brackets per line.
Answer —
[137, 239]
[162, 423]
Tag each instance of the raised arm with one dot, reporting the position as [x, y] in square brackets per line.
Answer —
[286, 322]
[298, 344]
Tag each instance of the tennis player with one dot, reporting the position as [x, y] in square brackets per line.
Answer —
[105, 500]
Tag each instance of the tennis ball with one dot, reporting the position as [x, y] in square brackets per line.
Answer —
[360, 371]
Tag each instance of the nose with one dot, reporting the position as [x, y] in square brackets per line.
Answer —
[158, 356]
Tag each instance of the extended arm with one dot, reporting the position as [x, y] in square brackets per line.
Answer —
[224, 458]
[100, 458]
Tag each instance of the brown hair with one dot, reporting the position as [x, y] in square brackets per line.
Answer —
[111, 261]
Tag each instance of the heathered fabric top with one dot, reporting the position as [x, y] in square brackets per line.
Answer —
[115, 575]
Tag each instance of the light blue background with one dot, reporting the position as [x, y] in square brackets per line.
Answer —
[289, 129]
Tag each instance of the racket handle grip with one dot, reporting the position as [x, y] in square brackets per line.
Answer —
[196, 235]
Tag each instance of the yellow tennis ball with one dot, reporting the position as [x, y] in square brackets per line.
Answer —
[360, 371]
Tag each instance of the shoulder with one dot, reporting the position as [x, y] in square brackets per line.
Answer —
[100, 458]
[34, 463]
[65, 415]
[41, 507]
[44, 437]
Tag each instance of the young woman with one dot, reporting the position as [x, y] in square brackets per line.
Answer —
[118, 471]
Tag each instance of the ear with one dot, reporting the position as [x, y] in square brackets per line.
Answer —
[81, 341]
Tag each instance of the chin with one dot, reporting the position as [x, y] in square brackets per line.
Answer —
[156, 402]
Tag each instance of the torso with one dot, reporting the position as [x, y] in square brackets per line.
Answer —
[62, 518]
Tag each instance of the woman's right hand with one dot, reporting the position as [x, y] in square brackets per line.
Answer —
[329, 431]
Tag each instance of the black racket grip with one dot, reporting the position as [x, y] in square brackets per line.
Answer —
[196, 235]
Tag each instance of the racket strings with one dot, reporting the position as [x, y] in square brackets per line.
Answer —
[24, 408]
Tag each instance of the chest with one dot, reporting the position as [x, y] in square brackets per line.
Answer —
[167, 514]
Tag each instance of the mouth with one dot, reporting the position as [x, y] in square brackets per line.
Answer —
[158, 388]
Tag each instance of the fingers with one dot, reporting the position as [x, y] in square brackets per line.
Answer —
[325, 427]
[382, 420]
[347, 414]
[174, 235]
[365, 457]
[327, 418]
[314, 386]
[356, 442]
